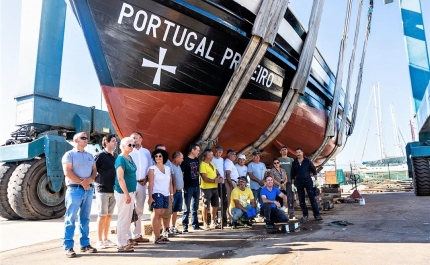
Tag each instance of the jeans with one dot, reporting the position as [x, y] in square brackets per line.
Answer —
[257, 197]
[236, 213]
[273, 215]
[77, 199]
[301, 193]
[191, 199]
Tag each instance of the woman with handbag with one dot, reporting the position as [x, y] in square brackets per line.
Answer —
[159, 189]
[124, 192]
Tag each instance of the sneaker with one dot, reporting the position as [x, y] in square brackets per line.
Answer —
[127, 248]
[185, 231]
[198, 229]
[132, 242]
[269, 226]
[88, 249]
[109, 243]
[215, 226]
[100, 244]
[173, 230]
[247, 224]
[304, 219]
[318, 218]
[293, 217]
[140, 239]
[206, 227]
[234, 225]
[70, 253]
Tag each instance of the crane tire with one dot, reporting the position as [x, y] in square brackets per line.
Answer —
[6, 211]
[421, 175]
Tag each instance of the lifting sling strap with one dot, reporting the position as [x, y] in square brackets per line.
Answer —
[342, 129]
[297, 86]
[332, 117]
[264, 31]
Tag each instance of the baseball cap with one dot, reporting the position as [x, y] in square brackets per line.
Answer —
[218, 148]
[255, 153]
[241, 156]
[243, 178]
[231, 151]
[282, 147]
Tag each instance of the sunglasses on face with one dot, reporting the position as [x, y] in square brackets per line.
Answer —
[83, 138]
[131, 145]
[158, 156]
[275, 163]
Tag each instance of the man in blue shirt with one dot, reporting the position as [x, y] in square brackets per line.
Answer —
[271, 207]
[301, 178]
[80, 170]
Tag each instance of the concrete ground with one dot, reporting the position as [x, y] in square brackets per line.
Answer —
[392, 228]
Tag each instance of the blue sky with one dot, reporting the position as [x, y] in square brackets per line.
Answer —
[386, 62]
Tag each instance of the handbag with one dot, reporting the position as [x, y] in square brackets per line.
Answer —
[134, 216]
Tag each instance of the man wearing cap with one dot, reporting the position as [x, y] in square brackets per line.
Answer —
[271, 207]
[301, 177]
[231, 174]
[256, 172]
[286, 163]
[218, 161]
[240, 166]
[242, 204]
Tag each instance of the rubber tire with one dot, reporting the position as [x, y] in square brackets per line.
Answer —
[22, 192]
[6, 211]
[421, 176]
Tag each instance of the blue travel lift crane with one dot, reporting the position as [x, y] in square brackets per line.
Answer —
[418, 153]
[31, 178]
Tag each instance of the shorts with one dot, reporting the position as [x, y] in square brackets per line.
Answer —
[160, 201]
[210, 196]
[105, 203]
[178, 200]
[168, 212]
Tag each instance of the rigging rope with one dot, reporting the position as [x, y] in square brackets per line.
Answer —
[264, 31]
[298, 83]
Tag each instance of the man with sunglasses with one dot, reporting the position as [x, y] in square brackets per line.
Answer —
[142, 158]
[80, 170]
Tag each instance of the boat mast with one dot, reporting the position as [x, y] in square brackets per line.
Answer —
[396, 135]
[377, 105]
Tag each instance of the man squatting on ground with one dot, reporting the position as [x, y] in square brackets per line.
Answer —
[242, 205]
[209, 185]
[300, 176]
[271, 207]
[105, 180]
[286, 163]
[80, 170]
[143, 161]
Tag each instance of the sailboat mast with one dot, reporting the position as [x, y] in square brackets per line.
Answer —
[395, 130]
[375, 105]
[381, 140]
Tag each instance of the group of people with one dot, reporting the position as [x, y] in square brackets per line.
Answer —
[123, 180]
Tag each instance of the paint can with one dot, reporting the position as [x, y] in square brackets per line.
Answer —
[362, 201]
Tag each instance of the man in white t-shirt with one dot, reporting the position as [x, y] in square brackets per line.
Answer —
[231, 174]
[142, 159]
[218, 161]
[240, 166]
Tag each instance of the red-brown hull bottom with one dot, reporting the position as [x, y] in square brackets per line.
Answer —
[178, 119]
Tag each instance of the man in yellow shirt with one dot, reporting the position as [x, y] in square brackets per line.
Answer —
[242, 204]
[209, 185]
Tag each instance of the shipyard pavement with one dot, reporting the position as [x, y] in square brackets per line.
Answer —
[391, 228]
